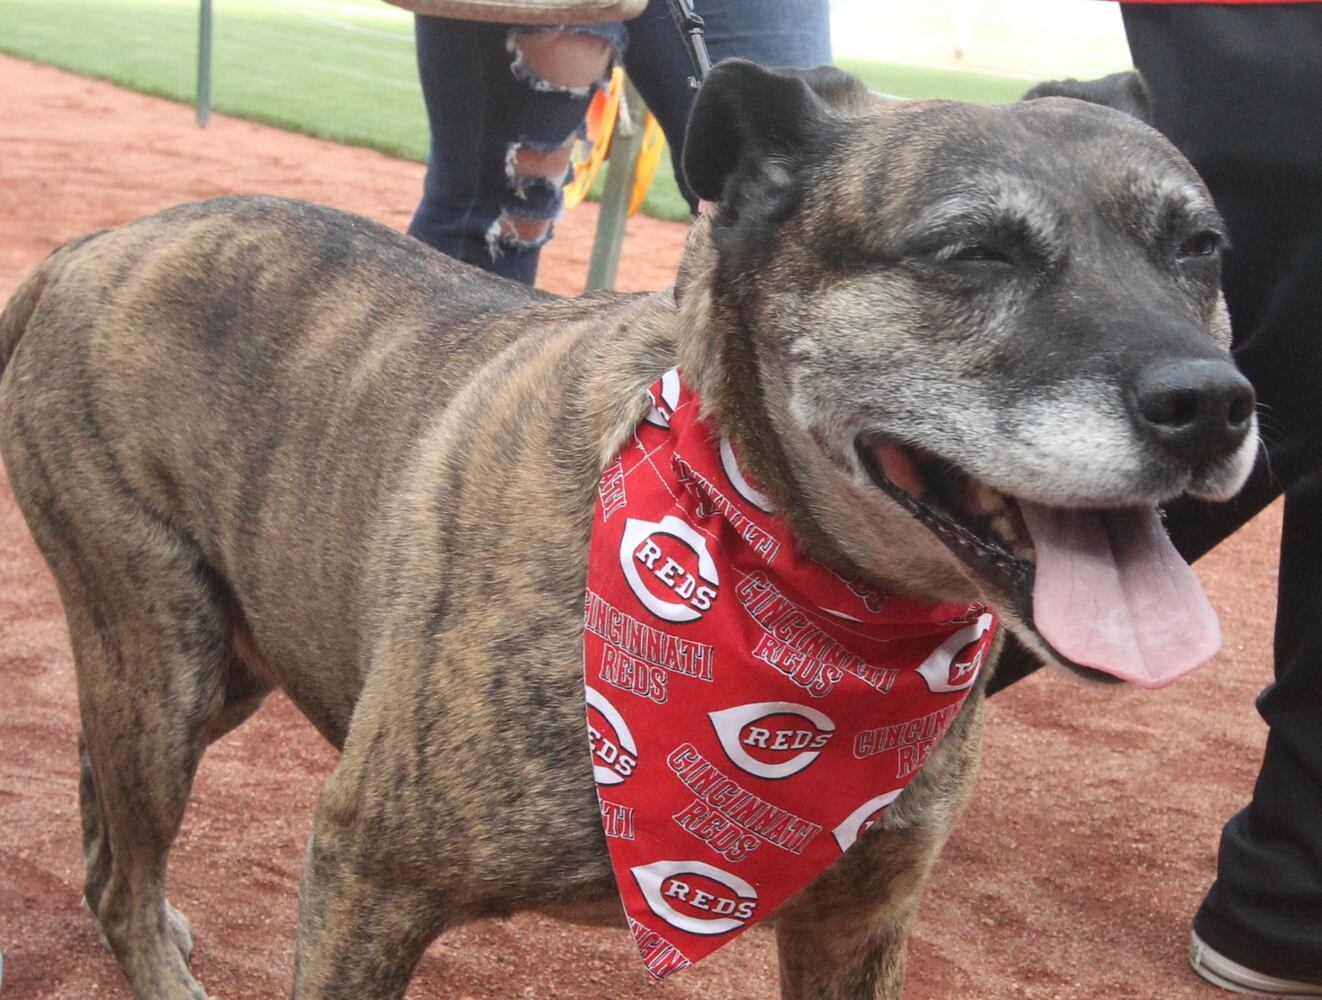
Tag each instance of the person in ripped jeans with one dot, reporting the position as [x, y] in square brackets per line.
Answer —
[506, 104]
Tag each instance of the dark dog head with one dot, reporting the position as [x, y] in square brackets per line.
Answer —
[972, 349]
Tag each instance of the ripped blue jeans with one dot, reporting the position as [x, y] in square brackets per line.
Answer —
[505, 105]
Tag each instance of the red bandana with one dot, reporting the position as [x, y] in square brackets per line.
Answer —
[750, 713]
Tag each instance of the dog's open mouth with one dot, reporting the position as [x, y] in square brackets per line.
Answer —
[987, 528]
[1104, 589]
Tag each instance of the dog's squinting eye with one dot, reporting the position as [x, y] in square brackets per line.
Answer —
[974, 253]
[1206, 243]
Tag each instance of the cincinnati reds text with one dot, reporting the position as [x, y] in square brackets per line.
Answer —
[798, 648]
[754, 814]
[914, 740]
[712, 501]
[659, 956]
[637, 648]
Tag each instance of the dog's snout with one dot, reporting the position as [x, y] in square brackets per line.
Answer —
[1197, 409]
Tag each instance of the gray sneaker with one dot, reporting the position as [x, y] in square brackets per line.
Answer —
[1230, 975]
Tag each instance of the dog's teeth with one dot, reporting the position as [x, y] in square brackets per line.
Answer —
[1012, 537]
[986, 501]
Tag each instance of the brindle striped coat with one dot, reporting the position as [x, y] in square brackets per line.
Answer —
[266, 444]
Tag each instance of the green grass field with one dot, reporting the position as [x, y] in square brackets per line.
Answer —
[337, 70]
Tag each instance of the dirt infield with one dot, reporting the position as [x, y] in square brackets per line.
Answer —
[1089, 842]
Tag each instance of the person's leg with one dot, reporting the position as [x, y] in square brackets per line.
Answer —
[770, 32]
[1239, 91]
[1265, 908]
[505, 105]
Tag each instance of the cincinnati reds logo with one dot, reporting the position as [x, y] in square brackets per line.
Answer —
[668, 567]
[664, 402]
[954, 664]
[696, 897]
[742, 486]
[614, 752]
[857, 822]
[772, 739]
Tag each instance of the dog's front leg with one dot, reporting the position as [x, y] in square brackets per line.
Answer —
[362, 925]
[844, 937]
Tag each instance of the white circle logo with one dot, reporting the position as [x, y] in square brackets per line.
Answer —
[668, 567]
[742, 486]
[696, 897]
[664, 403]
[614, 752]
[954, 664]
[857, 822]
[772, 739]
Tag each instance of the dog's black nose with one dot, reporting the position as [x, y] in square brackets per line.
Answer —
[1196, 409]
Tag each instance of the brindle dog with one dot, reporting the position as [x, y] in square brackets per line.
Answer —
[265, 444]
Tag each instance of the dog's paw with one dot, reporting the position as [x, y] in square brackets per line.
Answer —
[179, 930]
[176, 923]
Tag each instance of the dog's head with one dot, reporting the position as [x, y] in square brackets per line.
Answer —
[972, 349]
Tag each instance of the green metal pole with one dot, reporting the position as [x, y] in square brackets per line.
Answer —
[204, 64]
[625, 147]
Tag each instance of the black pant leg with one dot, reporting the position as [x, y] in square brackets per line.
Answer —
[1265, 908]
[1239, 91]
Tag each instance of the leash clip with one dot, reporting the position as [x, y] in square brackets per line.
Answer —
[693, 28]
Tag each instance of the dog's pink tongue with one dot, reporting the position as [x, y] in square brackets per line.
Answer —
[1112, 593]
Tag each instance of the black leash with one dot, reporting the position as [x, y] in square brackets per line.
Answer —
[693, 27]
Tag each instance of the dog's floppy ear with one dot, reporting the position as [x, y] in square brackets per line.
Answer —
[749, 120]
[1125, 92]
[837, 88]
